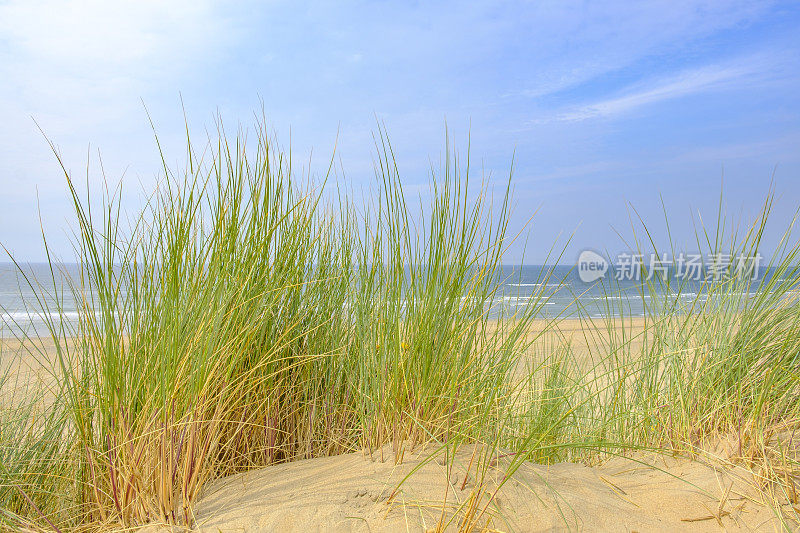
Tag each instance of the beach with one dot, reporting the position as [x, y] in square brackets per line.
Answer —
[421, 488]
[247, 353]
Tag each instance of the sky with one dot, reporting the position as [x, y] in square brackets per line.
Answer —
[600, 105]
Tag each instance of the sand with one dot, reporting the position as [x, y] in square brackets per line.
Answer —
[352, 493]
[28, 371]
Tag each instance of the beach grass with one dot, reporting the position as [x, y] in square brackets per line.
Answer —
[247, 317]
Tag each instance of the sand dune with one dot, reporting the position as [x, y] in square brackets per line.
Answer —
[352, 493]
[357, 491]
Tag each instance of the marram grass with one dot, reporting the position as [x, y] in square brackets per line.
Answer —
[246, 317]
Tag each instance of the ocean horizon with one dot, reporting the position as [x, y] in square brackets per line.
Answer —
[558, 290]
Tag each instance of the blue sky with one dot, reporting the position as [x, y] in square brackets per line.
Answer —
[602, 103]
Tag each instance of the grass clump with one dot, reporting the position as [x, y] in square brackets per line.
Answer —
[243, 319]
[246, 317]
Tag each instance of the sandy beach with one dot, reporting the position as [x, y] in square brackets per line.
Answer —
[352, 493]
[364, 491]
[468, 267]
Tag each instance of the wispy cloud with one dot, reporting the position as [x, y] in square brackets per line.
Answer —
[689, 82]
[583, 170]
[80, 67]
[579, 46]
[81, 34]
[89, 60]
[778, 150]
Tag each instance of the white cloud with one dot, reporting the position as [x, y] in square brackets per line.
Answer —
[777, 150]
[80, 68]
[81, 59]
[743, 72]
[87, 34]
[682, 85]
[577, 42]
[579, 171]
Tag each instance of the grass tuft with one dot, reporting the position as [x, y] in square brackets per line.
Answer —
[246, 317]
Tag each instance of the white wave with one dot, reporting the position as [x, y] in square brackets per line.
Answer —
[533, 284]
[22, 315]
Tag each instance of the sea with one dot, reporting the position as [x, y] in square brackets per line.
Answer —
[32, 295]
